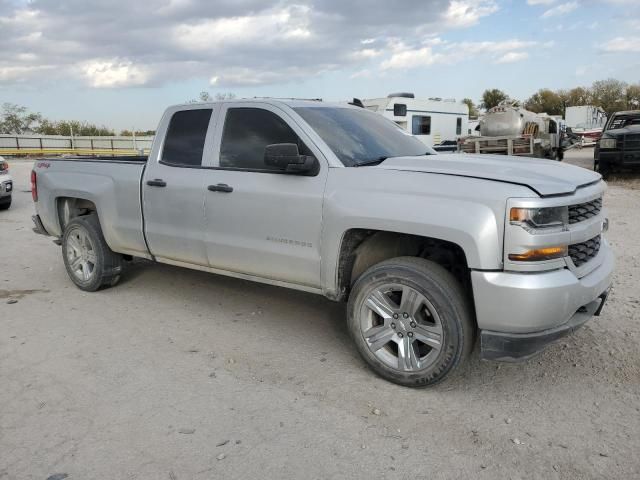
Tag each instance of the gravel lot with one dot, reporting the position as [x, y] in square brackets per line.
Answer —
[178, 374]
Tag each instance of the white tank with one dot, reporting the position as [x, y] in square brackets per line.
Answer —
[505, 120]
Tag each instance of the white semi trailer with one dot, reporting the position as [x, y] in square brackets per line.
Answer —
[433, 121]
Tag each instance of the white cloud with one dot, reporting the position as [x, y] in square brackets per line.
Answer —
[285, 25]
[511, 57]
[540, 2]
[366, 53]
[464, 13]
[22, 72]
[411, 58]
[561, 9]
[114, 73]
[623, 45]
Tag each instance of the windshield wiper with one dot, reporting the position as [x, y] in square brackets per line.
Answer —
[369, 163]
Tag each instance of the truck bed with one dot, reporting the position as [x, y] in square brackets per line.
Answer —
[112, 184]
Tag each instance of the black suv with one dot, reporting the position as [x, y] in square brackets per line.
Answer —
[619, 145]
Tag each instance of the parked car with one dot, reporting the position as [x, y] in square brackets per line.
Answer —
[6, 185]
[619, 145]
[429, 251]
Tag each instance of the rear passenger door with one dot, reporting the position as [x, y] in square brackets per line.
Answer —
[173, 187]
[267, 223]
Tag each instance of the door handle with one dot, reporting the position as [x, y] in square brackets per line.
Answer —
[157, 183]
[221, 187]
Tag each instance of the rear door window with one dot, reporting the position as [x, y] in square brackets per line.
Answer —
[184, 142]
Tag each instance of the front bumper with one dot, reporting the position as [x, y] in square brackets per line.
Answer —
[507, 347]
[6, 187]
[536, 308]
[620, 158]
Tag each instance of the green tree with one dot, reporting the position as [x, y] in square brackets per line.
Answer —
[545, 100]
[492, 98]
[225, 96]
[633, 97]
[609, 95]
[15, 119]
[473, 111]
[578, 96]
[139, 133]
[78, 128]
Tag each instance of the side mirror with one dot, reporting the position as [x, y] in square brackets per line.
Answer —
[286, 157]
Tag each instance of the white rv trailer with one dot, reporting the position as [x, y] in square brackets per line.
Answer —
[432, 120]
[586, 117]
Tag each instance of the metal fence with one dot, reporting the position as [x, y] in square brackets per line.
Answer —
[59, 144]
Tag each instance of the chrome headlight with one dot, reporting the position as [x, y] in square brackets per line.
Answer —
[533, 219]
[607, 143]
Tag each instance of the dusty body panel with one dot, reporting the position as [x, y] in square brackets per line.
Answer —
[114, 188]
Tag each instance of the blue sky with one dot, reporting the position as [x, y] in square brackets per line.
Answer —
[120, 63]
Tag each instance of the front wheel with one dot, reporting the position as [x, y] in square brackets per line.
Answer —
[411, 321]
[89, 261]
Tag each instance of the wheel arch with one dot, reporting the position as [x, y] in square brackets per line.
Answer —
[363, 248]
[68, 208]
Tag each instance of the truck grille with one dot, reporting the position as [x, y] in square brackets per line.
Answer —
[584, 211]
[581, 253]
[631, 143]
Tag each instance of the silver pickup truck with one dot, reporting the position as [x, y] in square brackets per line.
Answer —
[430, 251]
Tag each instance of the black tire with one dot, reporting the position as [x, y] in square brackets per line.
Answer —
[604, 169]
[559, 154]
[443, 292]
[107, 265]
[5, 203]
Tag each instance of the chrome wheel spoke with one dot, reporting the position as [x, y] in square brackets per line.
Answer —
[380, 304]
[86, 272]
[410, 301]
[378, 337]
[407, 358]
[74, 244]
[75, 263]
[429, 334]
[91, 257]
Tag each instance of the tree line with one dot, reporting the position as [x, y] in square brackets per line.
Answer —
[17, 120]
[611, 95]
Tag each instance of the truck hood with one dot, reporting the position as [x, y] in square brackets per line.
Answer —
[545, 177]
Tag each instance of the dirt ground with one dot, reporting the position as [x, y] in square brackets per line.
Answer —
[178, 374]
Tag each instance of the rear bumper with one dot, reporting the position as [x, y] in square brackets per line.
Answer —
[38, 227]
[507, 347]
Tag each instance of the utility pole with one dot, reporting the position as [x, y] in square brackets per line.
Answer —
[71, 130]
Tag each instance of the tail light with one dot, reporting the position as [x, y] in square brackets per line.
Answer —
[34, 186]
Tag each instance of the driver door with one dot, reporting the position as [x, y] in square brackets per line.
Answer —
[258, 220]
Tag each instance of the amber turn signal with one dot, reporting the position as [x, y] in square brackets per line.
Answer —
[540, 254]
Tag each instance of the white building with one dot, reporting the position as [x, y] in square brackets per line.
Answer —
[432, 120]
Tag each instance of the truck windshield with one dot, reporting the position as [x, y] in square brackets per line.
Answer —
[359, 137]
[621, 121]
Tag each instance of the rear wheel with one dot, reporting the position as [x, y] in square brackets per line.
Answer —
[410, 321]
[89, 261]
